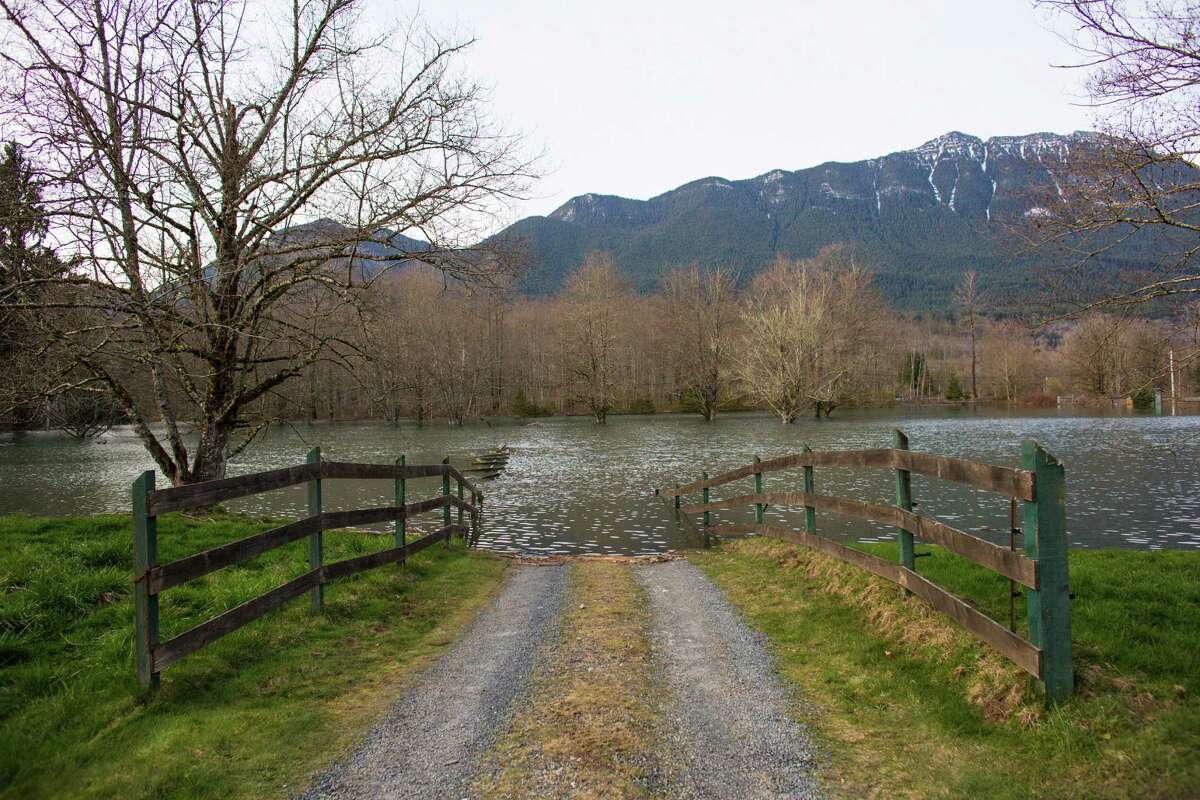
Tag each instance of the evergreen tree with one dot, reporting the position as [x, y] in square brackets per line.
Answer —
[954, 391]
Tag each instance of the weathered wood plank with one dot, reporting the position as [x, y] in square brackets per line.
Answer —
[178, 498]
[470, 487]
[183, 570]
[873, 564]
[347, 469]
[1018, 483]
[1011, 646]
[209, 493]
[350, 566]
[1010, 564]
[1021, 652]
[830, 458]
[206, 632]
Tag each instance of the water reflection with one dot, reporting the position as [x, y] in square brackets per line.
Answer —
[571, 486]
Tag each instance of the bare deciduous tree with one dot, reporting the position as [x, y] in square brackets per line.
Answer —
[1133, 193]
[809, 333]
[701, 311]
[968, 299]
[186, 144]
[1010, 360]
[594, 302]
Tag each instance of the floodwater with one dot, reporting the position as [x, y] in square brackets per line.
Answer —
[572, 486]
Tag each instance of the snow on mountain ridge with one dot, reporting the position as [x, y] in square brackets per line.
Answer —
[958, 171]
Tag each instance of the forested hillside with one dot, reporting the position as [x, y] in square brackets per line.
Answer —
[920, 218]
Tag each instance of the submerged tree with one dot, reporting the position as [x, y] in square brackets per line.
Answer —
[188, 145]
[809, 332]
[701, 307]
[594, 303]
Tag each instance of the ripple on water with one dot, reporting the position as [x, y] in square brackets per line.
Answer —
[572, 487]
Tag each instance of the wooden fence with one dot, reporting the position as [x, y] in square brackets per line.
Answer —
[152, 578]
[1041, 569]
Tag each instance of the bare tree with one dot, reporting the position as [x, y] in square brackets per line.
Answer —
[968, 300]
[593, 303]
[1010, 360]
[701, 311]
[186, 145]
[810, 332]
[1134, 192]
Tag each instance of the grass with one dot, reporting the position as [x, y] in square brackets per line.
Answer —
[590, 732]
[908, 705]
[254, 715]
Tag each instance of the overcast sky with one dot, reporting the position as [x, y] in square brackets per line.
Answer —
[635, 98]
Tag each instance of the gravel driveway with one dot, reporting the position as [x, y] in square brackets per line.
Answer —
[726, 721]
[430, 743]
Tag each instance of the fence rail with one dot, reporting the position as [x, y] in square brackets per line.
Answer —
[152, 578]
[1041, 569]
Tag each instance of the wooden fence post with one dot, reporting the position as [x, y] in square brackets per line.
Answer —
[908, 557]
[759, 508]
[401, 501]
[316, 543]
[707, 517]
[478, 519]
[1049, 606]
[460, 497]
[810, 487]
[446, 494]
[145, 557]
[677, 497]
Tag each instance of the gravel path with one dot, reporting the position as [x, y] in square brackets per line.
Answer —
[726, 723]
[431, 741]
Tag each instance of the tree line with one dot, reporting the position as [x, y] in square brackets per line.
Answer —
[803, 338]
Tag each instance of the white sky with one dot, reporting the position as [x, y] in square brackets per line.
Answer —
[635, 98]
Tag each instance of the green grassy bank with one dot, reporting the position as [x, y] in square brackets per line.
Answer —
[908, 705]
[253, 715]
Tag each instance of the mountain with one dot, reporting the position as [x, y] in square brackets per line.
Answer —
[919, 218]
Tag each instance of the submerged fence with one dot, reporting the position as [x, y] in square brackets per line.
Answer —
[1041, 569]
[152, 578]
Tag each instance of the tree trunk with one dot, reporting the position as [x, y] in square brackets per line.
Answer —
[209, 461]
[974, 387]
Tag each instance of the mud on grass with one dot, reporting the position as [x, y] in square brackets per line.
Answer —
[250, 716]
[587, 730]
[909, 705]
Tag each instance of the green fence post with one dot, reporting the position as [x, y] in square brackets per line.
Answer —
[478, 520]
[810, 487]
[446, 494]
[145, 558]
[1049, 606]
[460, 497]
[707, 518]
[316, 543]
[908, 557]
[759, 508]
[401, 502]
